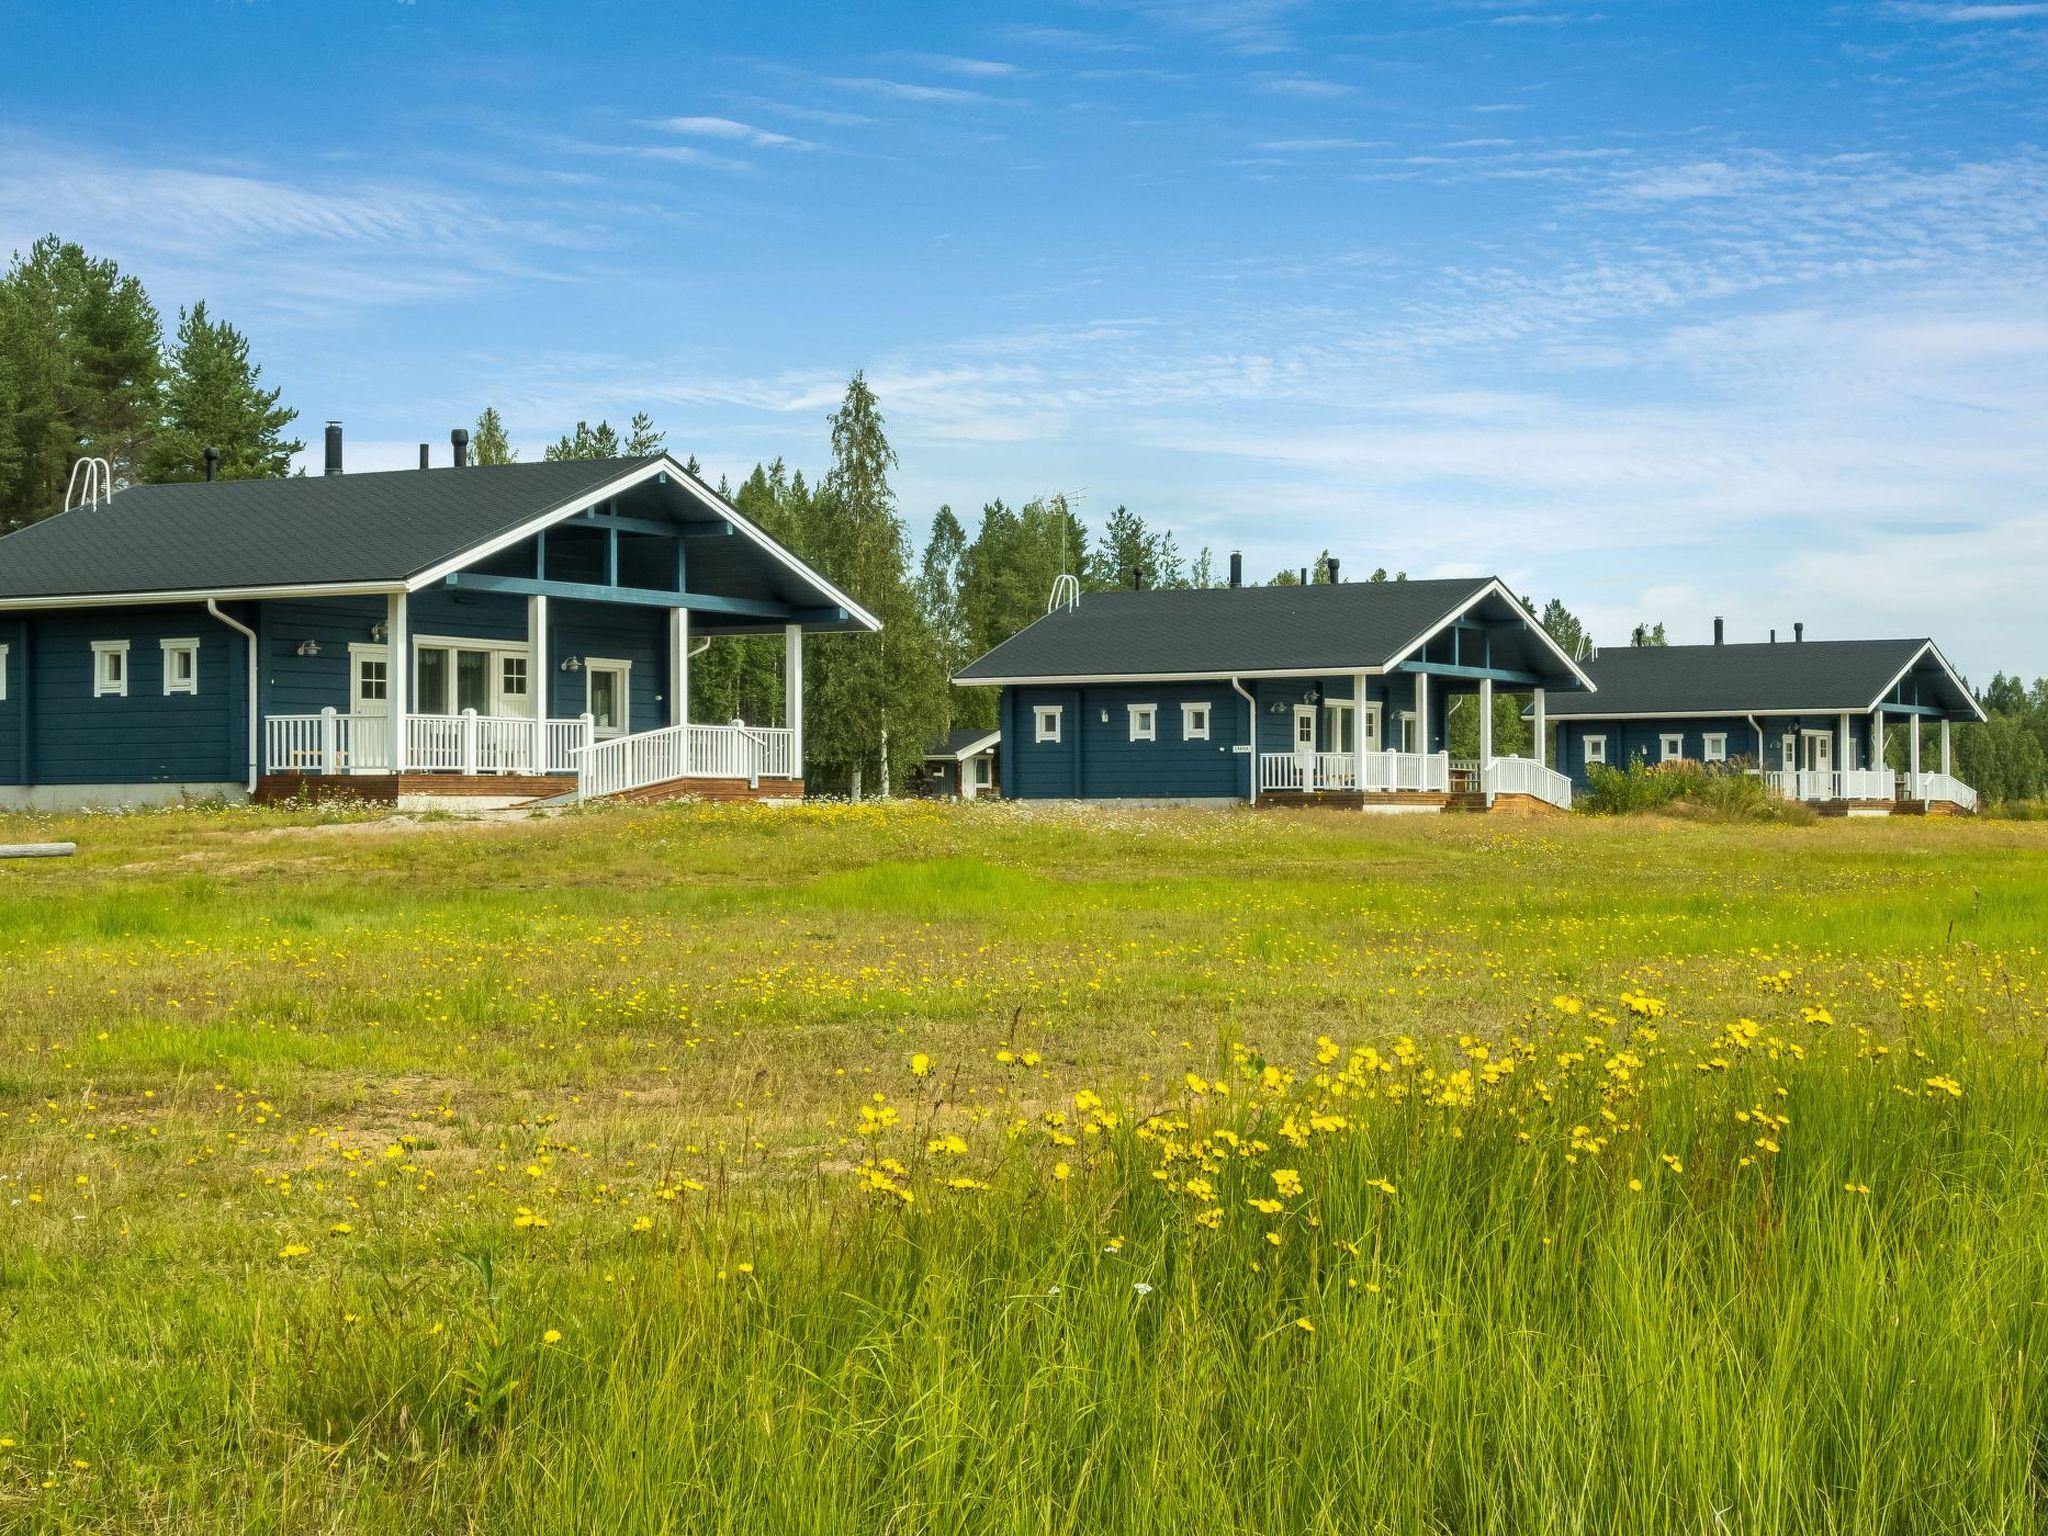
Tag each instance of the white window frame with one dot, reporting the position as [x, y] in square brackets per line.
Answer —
[1191, 728]
[173, 649]
[3, 672]
[1593, 749]
[359, 702]
[1714, 747]
[625, 670]
[1407, 728]
[1148, 714]
[104, 685]
[1045, 723]
[1670, 746]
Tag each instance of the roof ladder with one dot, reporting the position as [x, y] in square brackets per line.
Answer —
[92, 482]
[1066, 592]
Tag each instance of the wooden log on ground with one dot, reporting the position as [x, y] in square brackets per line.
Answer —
[37, 850]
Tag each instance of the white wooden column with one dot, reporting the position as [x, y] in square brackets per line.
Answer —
[397, 675]
[1946, 763]
[1842, 757]
[793, 693]
[1358, 733]
[538, 676]
[1422, 713]
[1877, 739]
[1913, 751]
[1486, 725]
[679, 666]
[1542, 727]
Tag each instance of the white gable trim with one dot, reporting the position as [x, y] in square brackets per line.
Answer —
[974, 748]
[658, 468]
[1885, 692]
[1493, 586]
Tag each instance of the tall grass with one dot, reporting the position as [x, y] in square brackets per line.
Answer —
[1338, 1193]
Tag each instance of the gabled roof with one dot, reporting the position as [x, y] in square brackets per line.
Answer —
[1214, 632]
[1820, 677]
[375, 532]
[956, 745]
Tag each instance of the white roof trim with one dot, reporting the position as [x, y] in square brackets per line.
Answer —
[200, 595]
[1885, 692]
[1725, 713]
[665, 465]
[974, 748]
[1493, 585]
[1067, 679]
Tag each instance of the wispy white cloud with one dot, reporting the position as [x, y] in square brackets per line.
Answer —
[728, 129]
[907, 90]
[1307, 87]
[1960, 14]
[977, 69]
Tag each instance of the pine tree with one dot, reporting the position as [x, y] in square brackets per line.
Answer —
[587, 442]
[938, 589]
[213, 399]
[1563, 626]
[876, 700]
[1648, 635]
[84, 347]
[490, 443]
[642, 440]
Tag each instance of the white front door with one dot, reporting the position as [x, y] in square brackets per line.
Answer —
[1820, 752]
[1372, 727]
[1305, 743]
[607, 682]
[369, 694]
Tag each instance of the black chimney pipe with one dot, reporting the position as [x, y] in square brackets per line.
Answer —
[1718, 631]
[460, 439]
[425, 462]
[1774, 637]
[1236, 569]
[334, 448]
[212, 464]
[1799, 631]
[1304, 575]
[1137, 578]
[1332, 562]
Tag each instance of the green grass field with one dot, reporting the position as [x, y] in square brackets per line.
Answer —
[919, 1169]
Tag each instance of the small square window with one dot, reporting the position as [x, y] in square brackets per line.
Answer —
[1596, 749]
[1144, 722]
[1670, 748]
[110, 669]
[1046, 719]
[1715, 748]
[181, 666]
[512, 676]
[1194, 722]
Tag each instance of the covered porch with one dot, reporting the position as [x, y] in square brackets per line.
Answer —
[1384, 741]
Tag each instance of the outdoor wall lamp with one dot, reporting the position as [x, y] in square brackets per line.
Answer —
[379, 630]
[309, 648]
[572, 663]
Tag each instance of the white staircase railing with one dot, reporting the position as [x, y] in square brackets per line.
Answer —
[626, 763]
[1941, 786]
[1526, 776]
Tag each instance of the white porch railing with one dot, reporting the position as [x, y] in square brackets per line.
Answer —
[332, 742]
[1526, 776]
[1832, 783]
[1305, 773]
[735, 751]
[1941, 786]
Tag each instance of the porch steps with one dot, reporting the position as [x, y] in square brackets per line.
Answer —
[709, 791]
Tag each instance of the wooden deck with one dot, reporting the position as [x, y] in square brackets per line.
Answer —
[390, 788]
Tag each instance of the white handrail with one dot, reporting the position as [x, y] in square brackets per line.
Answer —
[1526, 776]
[1385, 772]
[621, 764]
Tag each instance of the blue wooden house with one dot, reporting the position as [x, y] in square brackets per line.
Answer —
[1813, 717]
[503, 634]
[1335, 694]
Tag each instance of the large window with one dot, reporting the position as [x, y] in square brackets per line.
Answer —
[450, 676]
[110, 669]
[181, 666]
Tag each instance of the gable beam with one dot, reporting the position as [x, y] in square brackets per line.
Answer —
[1492, 674]
[645, 597]
[653, 527]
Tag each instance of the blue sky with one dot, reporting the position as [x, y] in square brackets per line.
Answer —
[1670, 309]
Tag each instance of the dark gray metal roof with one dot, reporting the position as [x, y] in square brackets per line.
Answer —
[960, 743]
[1810, 676]
[304, 531]
[1227, 631]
